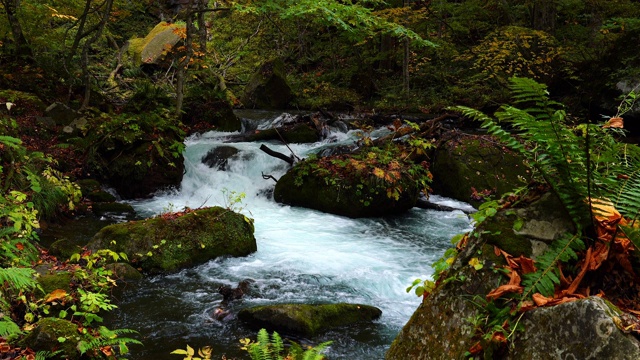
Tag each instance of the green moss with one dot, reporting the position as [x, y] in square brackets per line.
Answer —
[45, 338]
[59, 280]
[112, 207]
[158, 244]
[64, 248]
[498, 231]
[308, 320]
[99, 196]
[88, 185]
[153, 46]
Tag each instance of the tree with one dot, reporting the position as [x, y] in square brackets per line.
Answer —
[21, 45]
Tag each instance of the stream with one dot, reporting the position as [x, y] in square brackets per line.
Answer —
[304, 256]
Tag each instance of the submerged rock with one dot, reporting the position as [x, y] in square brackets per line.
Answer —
[170, 244]
[218, 157]
[307, 320]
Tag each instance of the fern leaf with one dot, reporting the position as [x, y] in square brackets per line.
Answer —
[8, 327]
[18, 278]
[545, 279]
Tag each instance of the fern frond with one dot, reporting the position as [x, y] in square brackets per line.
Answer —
[546, 278]
[8, 327]
[109, 337]
[315, 353]
[18, 278]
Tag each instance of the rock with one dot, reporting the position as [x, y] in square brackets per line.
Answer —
[106, 208]
[307, 320]
[218, 157]
[88, 185]
[170, 244]
[204, 114]
[268, 87]
[470, 162]
[439, 328]
[76, 127]
[153, 47]
[582, 329]
[124, 271]
[46, 334]
[121, 167]
[99, 196]
[61, 114]
[538, 223]
[64, 248]
[54, 281]
[301, 187]
[300, 133]
[229, 294]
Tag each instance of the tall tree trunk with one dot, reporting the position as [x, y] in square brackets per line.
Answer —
[405, 60]
[99, 28]
[22, 47]
[184, 63]
[543, 14]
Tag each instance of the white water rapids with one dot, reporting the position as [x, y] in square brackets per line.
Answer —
[304, 256]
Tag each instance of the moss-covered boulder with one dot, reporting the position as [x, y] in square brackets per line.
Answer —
[374, 182]
[64, 248]
[299, 133]
[440, 327]
[151, 48]
[47, 334]
[268, 87]
[204, 112]
[589, 328]
[466, 166]
[111, 208]
[124, 271]
[307, 320]
[53, 281]
[166, 244]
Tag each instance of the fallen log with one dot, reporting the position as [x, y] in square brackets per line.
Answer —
[281, 156]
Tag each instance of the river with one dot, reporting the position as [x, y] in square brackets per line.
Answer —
[304, 256]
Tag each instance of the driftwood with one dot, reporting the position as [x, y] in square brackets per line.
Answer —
[281, 156]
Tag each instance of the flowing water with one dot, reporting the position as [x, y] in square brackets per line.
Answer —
[304, 256]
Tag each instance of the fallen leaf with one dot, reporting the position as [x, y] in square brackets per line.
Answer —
[56, 295]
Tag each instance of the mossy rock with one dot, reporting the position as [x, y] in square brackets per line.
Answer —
[151, 48]
[23, 101]
[167, 245]
[308, 320]
[206, 114]
[64, 248]
[46, 334]
[268, 87]
[112, 208]
[54, 281]
[470, 162]
[124, 271]
[132, 178]
[218, 157]
[99, 196]
[312, 191]
[88, 185]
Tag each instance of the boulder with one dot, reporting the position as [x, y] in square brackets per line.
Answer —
[120, 166]
[307, 320]
[589, 328]
[171, 243]
[362, 195]
[467, 166]
[56, 280]
[107, 208]
[210, 113]
[440, 327]
[64, 248]
[299, 133]
[268, 87]
[218, 157]
[61, 114]
[46, 335]
[152, 48]
[124, 271]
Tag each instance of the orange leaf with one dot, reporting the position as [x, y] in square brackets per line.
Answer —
[498, 337]
[476, 348]
[526, 265]
[540, 299]
[56, 295]
[504, 289]
[19, 246]
[615, 122]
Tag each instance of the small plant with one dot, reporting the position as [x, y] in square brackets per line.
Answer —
[272, 348]
[189, 354]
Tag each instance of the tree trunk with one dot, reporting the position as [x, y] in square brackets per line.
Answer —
[98, 29]
[184, 63]
[543, 14]
[405, 60]
[22, 47]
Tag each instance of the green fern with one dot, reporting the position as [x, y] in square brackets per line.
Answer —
[8, 328]
[272, 348]
[109, 337]
[18, 279]
[547, 277]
